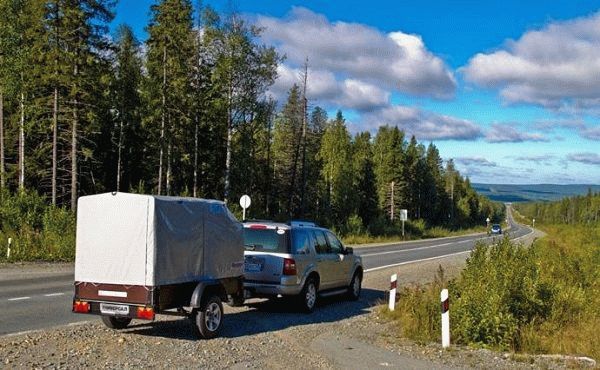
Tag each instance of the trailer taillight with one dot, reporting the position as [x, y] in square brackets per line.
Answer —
[145, 313]
[81, 307]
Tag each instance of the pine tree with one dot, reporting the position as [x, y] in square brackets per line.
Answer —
[364, 178]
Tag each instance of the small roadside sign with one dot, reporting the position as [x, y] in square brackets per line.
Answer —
[403, 215]
[244, 203]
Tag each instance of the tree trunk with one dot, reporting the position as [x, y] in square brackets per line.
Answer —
[119, 148]
[2, 179]
[74, 150]
[229, 138]
[168, 190]
[195, 186]
[304, 112]
[54, 144]
[162, 123]
[22, 144]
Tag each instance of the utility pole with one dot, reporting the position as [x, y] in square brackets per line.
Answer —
[392, 204]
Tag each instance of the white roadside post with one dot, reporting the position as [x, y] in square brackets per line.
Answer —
[8, 249]
[244, 203]
[445, 319]
[533, 223]
[393, 287]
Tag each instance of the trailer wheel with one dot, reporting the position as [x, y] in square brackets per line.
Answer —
[114, 322]
[208, 319]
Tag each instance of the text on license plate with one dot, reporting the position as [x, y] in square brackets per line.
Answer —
[114, 309]
[252, 267]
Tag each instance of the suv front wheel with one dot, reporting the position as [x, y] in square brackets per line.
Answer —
[308, 295]
[355, 287]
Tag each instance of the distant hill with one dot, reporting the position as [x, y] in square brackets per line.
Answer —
[536, 192]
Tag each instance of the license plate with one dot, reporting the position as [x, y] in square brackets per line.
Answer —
[114, 309]
[252, 267]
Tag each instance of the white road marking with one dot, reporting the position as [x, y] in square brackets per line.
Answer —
[414, 261]
[53, 294]
[19, 299]
[412, 249]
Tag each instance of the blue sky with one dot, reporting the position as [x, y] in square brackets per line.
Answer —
[509, 89]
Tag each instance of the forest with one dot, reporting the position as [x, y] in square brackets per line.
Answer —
[86, 108]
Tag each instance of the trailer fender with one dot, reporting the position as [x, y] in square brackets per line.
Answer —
[202, 286]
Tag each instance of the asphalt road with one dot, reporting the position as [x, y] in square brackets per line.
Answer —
[42, 302]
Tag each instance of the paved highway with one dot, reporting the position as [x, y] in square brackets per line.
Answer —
[36, 303]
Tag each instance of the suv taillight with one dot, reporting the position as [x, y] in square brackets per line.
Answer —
[289, 266]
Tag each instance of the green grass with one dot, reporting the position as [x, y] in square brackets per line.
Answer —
[425, 233]
[541, 299]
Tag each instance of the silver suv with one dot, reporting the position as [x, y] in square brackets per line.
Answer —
[298, 259]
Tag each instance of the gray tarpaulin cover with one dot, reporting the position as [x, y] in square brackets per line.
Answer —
[149, 240]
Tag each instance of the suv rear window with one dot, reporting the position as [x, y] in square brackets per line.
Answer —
[267, 240]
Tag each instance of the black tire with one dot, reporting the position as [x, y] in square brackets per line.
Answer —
[115, 322]
[355, 287]
[208, 319]
[307, 298]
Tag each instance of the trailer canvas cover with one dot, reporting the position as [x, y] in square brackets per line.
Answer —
[149, 240]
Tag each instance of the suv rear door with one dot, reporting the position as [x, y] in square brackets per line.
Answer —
[265, 249]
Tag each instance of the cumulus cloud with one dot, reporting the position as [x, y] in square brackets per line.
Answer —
[355, 52]
[545, 159]
[592, 133]
[424, 125]
[586, 158]
[506, 133]
[557, 66]
[475, 161]
[551, 125]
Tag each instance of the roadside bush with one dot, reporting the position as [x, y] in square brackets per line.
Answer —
[540, 299]
[38, 231]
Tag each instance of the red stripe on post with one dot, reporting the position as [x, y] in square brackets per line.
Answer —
[393, 284]
[446, 305]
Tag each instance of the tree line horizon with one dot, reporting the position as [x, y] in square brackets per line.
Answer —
[187, 113]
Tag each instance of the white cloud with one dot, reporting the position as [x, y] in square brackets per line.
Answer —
[556, 67]
[424, 125]
[506, 133]
[475, 161]
[587, 158]
[396, 61]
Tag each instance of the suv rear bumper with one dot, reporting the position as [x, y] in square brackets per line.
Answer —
[257, 288]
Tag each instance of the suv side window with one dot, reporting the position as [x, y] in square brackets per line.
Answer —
[334, 243]
[321, 246]
[301, 240]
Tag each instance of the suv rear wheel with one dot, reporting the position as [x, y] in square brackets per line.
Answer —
[308, 295]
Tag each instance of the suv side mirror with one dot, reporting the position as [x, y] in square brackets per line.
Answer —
[349, 250]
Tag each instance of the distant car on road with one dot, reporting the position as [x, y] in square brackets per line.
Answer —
[299, 260]
[496, 229]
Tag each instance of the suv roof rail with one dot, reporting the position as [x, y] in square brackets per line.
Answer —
[301, 223]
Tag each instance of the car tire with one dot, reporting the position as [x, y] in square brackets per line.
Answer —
[114, 322]
[355, 287]
[308, 296]
[208, 319]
